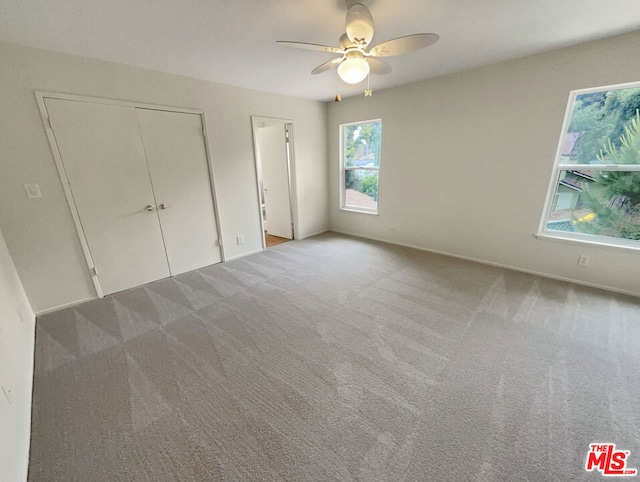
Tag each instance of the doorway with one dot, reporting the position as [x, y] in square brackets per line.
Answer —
[273, 142]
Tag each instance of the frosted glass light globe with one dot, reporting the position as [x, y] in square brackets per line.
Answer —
[353, 70]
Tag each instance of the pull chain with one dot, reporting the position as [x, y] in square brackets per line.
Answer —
[368, 91]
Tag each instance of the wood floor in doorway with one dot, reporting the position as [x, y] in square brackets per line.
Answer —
[274, 240]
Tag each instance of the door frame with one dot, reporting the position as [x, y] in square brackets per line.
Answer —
[262, 121]
[66, 186]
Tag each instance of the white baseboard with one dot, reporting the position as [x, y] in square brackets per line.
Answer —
[65, 305]
[497, 265]
[74, 303]
[243, 255]
[314, 234]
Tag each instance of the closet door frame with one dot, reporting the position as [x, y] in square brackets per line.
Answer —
[66, 186]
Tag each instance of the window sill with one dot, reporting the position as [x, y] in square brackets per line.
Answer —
[358, 210]
[596, 241]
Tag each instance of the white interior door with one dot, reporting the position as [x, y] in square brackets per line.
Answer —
[104, 161]
[275, 180]
[177, 159]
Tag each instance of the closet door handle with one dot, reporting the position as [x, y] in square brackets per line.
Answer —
[148, 207]
[163, 206]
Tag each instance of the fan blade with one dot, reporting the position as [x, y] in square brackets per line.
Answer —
[403, 45]
[359, 24]
[327, 65]
[306, 46]
[378, 66]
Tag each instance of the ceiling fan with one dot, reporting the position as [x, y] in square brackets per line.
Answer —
[356, 62]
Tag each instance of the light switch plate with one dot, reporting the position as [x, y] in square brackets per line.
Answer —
[33, 191]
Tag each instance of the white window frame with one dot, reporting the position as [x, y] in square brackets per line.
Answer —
[558, 168]
[343, 169]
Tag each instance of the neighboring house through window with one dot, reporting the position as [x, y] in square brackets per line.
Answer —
[360, 165]
[595, 188]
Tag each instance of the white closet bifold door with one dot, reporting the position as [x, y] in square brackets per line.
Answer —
[177, 160]
[104, 161]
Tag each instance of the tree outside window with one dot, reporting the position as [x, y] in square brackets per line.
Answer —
[596, 184]
[361, 165]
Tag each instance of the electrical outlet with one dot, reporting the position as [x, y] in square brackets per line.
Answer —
[32, 190]
[240, 239]
[583, 260]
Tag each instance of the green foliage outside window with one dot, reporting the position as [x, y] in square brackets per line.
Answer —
[616, 202]
[360, 141]
[601, 117]
[362, 157]
[597, 191]
[370, 186]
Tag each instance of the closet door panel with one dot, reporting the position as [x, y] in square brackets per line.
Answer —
[177, 159]
[104, 161]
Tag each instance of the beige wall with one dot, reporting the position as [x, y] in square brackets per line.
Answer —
[17, 323]
[40, 233]
[467, 158]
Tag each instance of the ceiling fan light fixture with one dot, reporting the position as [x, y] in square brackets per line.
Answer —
[358, 60]
[353, 70]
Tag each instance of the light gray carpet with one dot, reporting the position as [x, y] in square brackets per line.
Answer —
[336, 358]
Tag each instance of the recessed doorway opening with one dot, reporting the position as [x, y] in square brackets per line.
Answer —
[273, 143]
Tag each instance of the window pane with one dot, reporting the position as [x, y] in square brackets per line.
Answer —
[605, 203]
[599, 121]
[362, 144]
[361, 188]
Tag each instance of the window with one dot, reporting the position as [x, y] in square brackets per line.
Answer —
[360, 161]
[595, 189]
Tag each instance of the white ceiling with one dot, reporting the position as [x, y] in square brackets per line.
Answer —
[233, 41]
